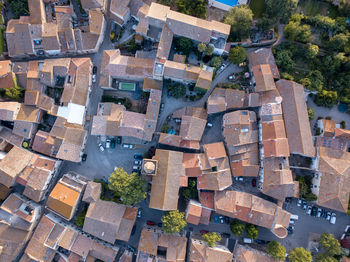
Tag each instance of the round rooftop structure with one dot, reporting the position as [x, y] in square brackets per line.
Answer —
[149, 167]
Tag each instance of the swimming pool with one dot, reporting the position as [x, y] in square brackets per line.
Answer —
[228, 2]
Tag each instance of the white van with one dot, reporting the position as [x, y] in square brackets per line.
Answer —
[294, 217]
[247, 240]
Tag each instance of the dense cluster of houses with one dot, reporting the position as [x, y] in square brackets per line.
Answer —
[260, 130]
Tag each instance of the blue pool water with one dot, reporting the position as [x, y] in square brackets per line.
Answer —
[228, 2]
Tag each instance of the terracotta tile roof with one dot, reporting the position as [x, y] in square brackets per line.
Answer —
[9, 171]
[254, 210]
[296, 118]
[278, 179]
[109, 221]
[175, 245]
[149, 84]
[9, 110]
[215, 150]
[63, 200]
[90, 4]
[200, 252]
[164, 46]
[193, 212]
[264, 56]
[166, 183]
[244, 253]
[342, 133]
[263, 78]
[334, 165]
[92, 192]
[175, 140]
[207, 199]
[328, 127]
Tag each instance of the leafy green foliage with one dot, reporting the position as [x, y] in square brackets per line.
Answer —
[216, 61]
[240, 19]
[325, 258]
[201, 47]
[211, 238]
[130, 187]
[237, 227]
[299, 254]
[285, 75]
[284, 60]
[316, 78]
[173, 222]
[311, 113]
[197, 8]
[184, 45]
[276, 250]
[330, 244]
[338, 42]
[166, 2]
[252, 231]
[209, 50]
[296, 32]
[14, 92]
[18, 8]
[311, 51]
[79, 221]
[304, 188]
[191, 191]
[326, 98]
[280, 9]
[178, 90]
[237, 55]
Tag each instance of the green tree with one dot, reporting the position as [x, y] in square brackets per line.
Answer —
[330, 244]
[197, 8]
[166, 2]
[311, 51]
[287, 76]
[296, 32]
[216, 61]
[299, 254]
[338, 42]
[237, 227]
[240, 19]
[173, 222]
[177, 90]
[209, 50]
[276, 250]
[326, 98]
[19, 8]
[310, 196]
[265, 23]
[190, 192]
[305, 82]
[211, 238]
[280, 9]
[284, 60]
[252, 231]
[311, 113]
[316, 79]
[130, 187]
[304, 34]
[237, 55]
[79, 221]
[14, 92]
[201, 47]
[325, 258]
[184, 45]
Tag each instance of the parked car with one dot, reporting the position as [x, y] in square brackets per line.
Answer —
[294, 217]
[304, 205]
[133, 230]
[161, 107]
[329, 215]
[290, 230]
[137, 162]
[319, 212]
[299, 203]
[203, 232]
[314, 211]
[94, 78]
[231, 77]
[209, 124]
[151, 223]
[333, 218]
[308, 210]
[254, 182]
[112, 143]
[221, 219]
[137, 168]
[138, 157]
[108, 143]
[216, 219]
[83, 158]
[100, 146]
[139, 213]
[160, 224]
[119, 140]
[226, 235]
[261, 242]
[131, 249]
[227, 220]
[128, 146]
[94, 70]
[239, 178]
[222, 67]
[247, 240]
